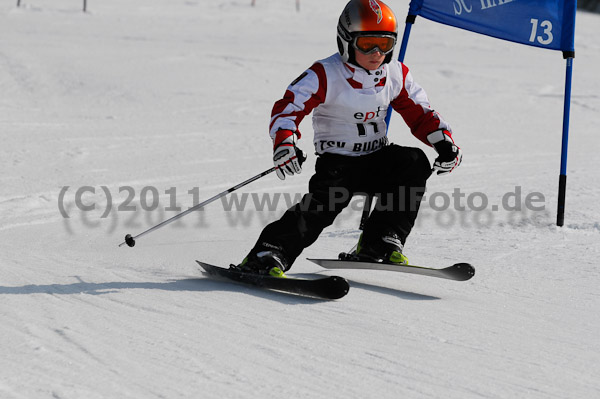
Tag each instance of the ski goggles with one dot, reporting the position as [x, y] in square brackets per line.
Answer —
[370, 44]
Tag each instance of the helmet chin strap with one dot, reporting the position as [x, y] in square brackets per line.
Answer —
[360, 67]
[356, 66]
[352, 59]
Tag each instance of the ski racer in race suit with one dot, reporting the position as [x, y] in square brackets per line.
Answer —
[348, 94]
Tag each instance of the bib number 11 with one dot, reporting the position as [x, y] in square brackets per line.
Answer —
[362, 128]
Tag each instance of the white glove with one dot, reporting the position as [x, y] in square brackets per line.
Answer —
[449, 154]
[287, 158]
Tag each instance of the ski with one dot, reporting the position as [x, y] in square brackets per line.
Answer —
[332, 287]
[457, 272]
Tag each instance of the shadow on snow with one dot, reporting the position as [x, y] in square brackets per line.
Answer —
[193, 284]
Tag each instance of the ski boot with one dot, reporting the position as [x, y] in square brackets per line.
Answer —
[271, 263]
[385, 249]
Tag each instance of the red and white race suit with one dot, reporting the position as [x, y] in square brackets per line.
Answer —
[349, 106]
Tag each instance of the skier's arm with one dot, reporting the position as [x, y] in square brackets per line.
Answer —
[413, 105]
[301, 97]
[426, 124]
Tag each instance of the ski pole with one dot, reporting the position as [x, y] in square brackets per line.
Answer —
[130, 240]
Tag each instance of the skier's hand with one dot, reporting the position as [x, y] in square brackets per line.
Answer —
[449, 154]
[287, 158]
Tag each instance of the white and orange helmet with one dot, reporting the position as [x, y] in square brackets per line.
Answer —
[366, 26]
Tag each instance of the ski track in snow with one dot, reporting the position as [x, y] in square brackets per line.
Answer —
[177, 96]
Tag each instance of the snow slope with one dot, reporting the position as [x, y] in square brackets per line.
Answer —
[170, 101]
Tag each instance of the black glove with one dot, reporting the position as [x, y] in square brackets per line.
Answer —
[449, 154]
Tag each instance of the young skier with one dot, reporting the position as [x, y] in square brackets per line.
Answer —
[348, 94]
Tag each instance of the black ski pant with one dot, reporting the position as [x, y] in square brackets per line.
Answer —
[395, 174]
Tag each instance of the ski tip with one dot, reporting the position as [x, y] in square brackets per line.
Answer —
[339, 287]
[202, 265]
[463, 271]
[210, 269]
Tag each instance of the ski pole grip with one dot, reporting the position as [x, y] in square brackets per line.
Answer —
[301, 155]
